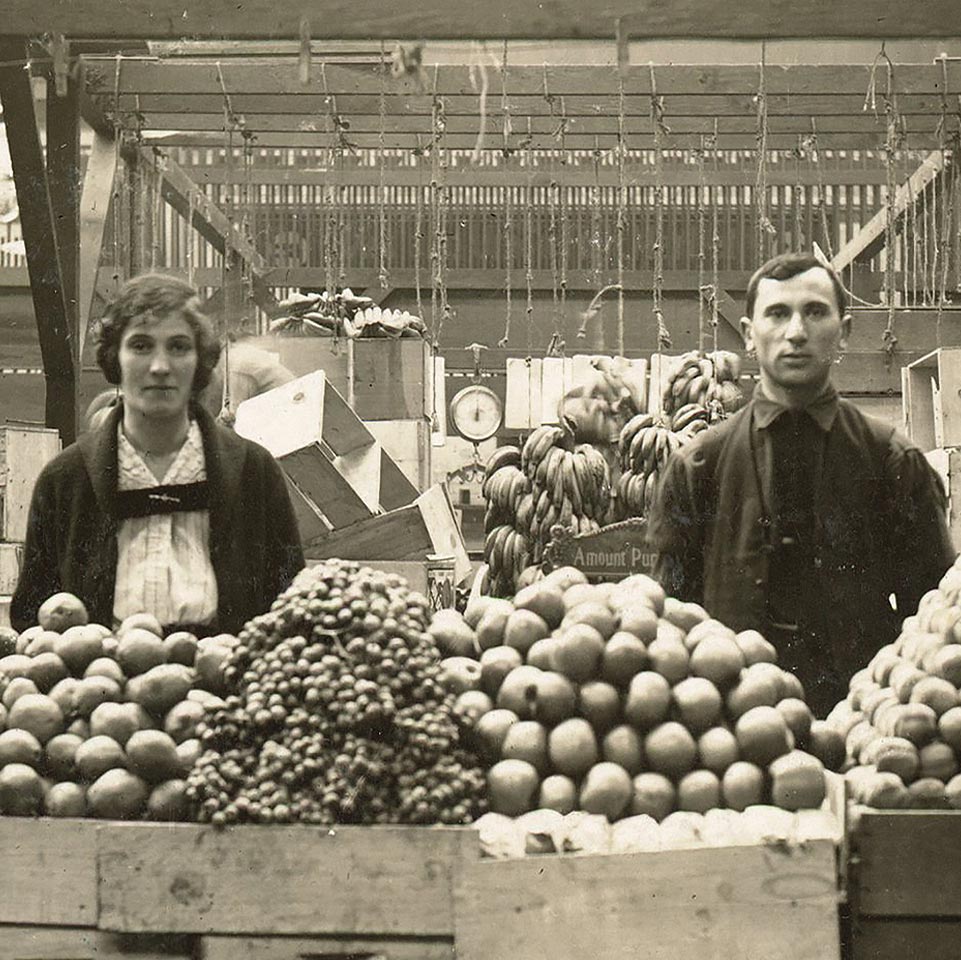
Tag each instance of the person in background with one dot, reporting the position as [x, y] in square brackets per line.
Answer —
[159, 509]
[800, 516]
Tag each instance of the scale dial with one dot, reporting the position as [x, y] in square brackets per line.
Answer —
[476, 412]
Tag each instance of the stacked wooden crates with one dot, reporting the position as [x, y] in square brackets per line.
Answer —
[24, 451]
[351, 498]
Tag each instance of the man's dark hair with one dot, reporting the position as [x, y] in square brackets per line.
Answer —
[155, 294]
[787, 265]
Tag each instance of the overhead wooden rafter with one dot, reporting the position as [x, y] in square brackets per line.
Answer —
[439, 19]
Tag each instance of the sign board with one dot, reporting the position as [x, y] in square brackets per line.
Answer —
[614, 552]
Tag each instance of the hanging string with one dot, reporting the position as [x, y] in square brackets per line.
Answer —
[529, 237]
[659, 127]
[947, 196]
[159, 232]
[926, 259]
[119, 271]
[435, 219]
[508, 201]
[822, 208]
[797, 193]
[552, 197]
[565, 225]
[246, 222]
[226, 412]
[911, 254]
[444, 211]
[418, 241]
[715, 243]
[701, 246]
[763, 226]
[621, 209]
[382, 272]
[596, 217]
[477, 66]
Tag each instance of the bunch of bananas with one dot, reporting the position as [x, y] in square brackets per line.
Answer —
[644, 445]
[597, 408]
[506, 548]
[706, 379]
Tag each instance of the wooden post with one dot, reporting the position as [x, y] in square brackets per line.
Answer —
[40, 238]
[63, 179]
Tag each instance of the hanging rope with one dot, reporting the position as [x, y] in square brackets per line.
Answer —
[247, 215]
[508, 201]
[596, 217]
[763, 226]
[565, 226]
[552, 198]
[701, 247]
[479, 68]
[621, 209]
[715, 244]
[444, 211]
[822, 209]
[660, 128]
[226, 412]
[118, 179]
[529, 237]
[383, 256]
[947, 195]
[157, 216]
[418, 241]
[799, 153]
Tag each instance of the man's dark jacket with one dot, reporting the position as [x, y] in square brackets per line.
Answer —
[880, 530]
[71, 539]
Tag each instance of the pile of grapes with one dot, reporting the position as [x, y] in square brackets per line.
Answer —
[336, 713]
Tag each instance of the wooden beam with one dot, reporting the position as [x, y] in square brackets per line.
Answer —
[871, 237]
[94, 210]
[547, 171]
[212, 223]
[281, 76]
[467, 141]
[543, 125]
[313, 105]
[38, 225]
[433, 19]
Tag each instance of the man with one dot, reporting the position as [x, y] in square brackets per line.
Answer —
[800, 516]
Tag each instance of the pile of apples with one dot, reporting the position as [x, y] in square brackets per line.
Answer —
[103, 723]
[901, 719]
[615, 700]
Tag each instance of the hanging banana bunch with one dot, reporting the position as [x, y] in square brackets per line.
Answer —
[707, 379]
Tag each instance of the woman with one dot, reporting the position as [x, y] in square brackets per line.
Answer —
[159, 509]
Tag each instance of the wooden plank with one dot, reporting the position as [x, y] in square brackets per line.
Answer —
[870, 238]
[311, 522]
[407, 443]
[24, 452]
[576, 105]
[895, 853]
[281, 76]
[543, 126]
[876, 938]
[49, 874]
[330, 948]
[11, 555]
[38, 226]
[94, 209]
[182, 878]
[605, 142]
[552, 388]
[397, 535]
[73, 943]
[437, 513]
[438, 392]
[717, 904]
[396, 488]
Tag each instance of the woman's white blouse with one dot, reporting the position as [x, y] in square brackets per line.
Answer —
[163, 561]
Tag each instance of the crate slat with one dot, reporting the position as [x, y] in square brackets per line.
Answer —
[328, 948]
[24, 452]
[714, 904]
[10, 557]
[80, 943]
[905, 938]
[908, 863]
[49, 872]
[185, 878]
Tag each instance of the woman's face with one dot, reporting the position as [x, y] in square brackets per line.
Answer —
[158, 361]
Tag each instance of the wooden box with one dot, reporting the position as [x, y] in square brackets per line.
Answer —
[931, 399]
[295, 881]
[321, 444]
[391, 378]
[10, 558]
[946, 463]
[87, 943]
[409, 445]
[426, 526]
[24, 452]
[724, 903]
[903, 883]
[303, 355]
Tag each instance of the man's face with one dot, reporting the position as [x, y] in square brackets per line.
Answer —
[796, 330]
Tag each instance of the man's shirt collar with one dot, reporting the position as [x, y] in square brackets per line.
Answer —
[822, 410]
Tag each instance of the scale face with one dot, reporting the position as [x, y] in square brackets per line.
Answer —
[476, 412]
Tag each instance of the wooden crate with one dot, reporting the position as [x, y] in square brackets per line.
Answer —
[391, 378]
[931, 399]
[10, 558]
[428, 525]
[946, 462]
[275, 881]
[326, 948]
[321, 445]
[303, 355]
[24, 452]
[727, 903]
[903, 881]
[409, 445]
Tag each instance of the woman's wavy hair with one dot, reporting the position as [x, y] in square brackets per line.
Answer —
[155, 294]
